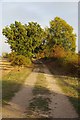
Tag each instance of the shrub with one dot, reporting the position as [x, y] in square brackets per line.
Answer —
[72, 58]
[79, 60]
[12, 56]
[57, 52]
[5, 55]
[19, 60]
[71, 63]
[40, 55]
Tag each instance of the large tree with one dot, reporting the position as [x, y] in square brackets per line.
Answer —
[16, 35]
[61, 33]
[35, 36]
[24, 39]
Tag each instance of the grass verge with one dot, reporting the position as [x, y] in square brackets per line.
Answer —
[12, 82]
[69, 84]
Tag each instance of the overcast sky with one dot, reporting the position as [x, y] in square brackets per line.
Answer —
[41, 12]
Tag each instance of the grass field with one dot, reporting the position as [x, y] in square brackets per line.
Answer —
[12, 80]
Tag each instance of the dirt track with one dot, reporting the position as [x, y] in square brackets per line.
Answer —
[60, 105]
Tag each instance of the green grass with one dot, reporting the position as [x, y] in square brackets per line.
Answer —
[12, 82]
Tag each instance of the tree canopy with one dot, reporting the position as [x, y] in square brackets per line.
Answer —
[24, 39]
[29, 39]
[61, 33]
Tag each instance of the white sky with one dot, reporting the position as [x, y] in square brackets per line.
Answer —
[41, 12]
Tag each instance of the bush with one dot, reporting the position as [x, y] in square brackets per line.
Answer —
[57, 52]
[12, 56]
[71, 63]
[40, 55]
[19, 60]
[5, 55]
[72, 58]
[79, 60]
